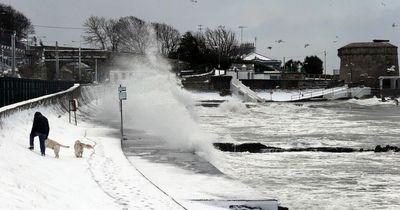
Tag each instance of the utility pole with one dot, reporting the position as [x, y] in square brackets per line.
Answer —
[200, 27]
[2, 59]
[95, 68]
[255, 44]
[79, 65]
[241, 33]
[325, 62]
[57, 63]
[79, 60]
[13, 36]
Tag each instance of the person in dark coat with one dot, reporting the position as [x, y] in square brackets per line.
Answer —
[41, 129]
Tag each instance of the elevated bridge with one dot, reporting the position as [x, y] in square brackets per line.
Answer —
[51, 53]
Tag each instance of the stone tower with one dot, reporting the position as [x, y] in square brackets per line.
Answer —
[366, 61]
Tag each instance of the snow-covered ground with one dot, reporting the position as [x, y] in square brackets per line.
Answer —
[102, 179]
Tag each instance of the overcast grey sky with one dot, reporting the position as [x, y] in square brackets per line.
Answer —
[296, 22]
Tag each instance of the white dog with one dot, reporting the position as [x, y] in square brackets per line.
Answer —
[79, 148]
[54, 145]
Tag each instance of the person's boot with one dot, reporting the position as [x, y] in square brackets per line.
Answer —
[43, 155]
[31, 147]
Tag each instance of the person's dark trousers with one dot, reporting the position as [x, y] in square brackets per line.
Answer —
[42, 138]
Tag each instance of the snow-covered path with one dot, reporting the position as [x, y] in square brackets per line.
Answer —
[118, 179]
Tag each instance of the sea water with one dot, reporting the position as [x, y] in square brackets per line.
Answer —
[312, 180]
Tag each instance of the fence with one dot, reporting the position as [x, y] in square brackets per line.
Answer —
[13, 90]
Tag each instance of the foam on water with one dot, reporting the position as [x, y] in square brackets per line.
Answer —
[306, 180]
[233, 106]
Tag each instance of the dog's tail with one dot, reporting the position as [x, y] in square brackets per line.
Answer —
[88, 146]
[64, 146]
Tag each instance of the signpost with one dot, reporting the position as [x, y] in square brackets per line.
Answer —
[73, 106]
[122, 96]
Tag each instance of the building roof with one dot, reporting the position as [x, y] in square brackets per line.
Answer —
[369, 45]
[256, 56]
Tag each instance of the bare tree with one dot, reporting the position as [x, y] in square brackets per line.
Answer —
[221, 40]
[113, 31]
[167, 37]
[130, 34]
[96, 32]
[134, 35]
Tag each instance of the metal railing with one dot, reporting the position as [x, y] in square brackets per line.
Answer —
[312, 94]
[237, 87]
[13, 90]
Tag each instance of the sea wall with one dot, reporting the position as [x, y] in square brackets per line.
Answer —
[60, 99]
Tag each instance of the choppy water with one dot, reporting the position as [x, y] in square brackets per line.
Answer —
[307, 180]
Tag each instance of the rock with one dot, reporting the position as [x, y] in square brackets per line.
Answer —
[261, 148]
[244, 207]
[246, 147]
[387, 148]
[272, 149]
[250, 147]
[224, 147]
[323, 149]
[378, 148]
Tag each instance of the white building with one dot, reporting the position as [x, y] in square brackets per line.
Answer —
[120, 75]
